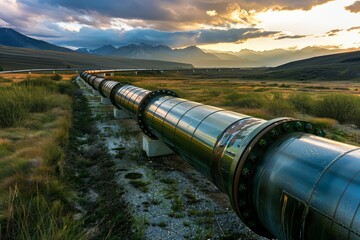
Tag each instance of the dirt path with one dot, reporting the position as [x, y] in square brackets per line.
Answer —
[167, 198]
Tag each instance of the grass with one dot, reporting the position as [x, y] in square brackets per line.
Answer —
[342, 107]
[35, 203]
[265, 97]
[140, 184]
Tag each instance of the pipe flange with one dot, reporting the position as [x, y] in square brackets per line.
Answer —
[100, 87]
[113, 92]
[100, 84]
[251, 155]
[142, 107]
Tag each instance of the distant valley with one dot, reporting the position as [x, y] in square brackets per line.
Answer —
[200, 58]
[22, 52]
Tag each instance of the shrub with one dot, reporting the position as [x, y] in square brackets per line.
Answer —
[12, 110]
[323, 122]
[18, 100]
[56, 77]
[247, 100]
[213, 92]
[342, 107]
[302, 102]
[278, 106]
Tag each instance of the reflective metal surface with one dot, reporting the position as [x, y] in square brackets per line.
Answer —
[97, 81]
[308, 187]
[107, 87]
[281, 179]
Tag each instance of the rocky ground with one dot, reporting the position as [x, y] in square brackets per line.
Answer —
[162, 198]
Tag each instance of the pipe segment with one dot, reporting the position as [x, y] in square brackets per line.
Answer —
[283, 179]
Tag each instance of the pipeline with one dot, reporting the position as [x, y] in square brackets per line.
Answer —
[283, 179]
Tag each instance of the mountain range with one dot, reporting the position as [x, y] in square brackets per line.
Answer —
[203, 58]
[190, 55]
[12, 38]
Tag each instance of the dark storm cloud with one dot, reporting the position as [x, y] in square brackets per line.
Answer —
[354, 8]
[281, 37]
[169, 14]
[228, 36]
[129, 9]
[93, 38]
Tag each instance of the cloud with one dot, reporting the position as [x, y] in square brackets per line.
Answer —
[354, 8]
[165, 14]
[232, 35]
[93, 38]
[284, 36]
[333, 32]
[211, 13]
[353, 28]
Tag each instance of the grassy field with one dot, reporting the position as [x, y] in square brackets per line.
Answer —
[34, 124]
[332, 105]
[13, 58]
[36, 198]
[45, 175]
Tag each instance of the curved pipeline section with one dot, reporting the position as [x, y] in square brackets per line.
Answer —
[283, 179]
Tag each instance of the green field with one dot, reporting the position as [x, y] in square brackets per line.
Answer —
[12, 58]
[42, 175]
[333, 105]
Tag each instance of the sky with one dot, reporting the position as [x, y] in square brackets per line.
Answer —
[218, 25]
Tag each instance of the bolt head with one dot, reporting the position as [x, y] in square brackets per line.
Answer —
[246, 172]
[274, 133]
[262, 143]
[242, 188]
[286, 127]
[297, 125]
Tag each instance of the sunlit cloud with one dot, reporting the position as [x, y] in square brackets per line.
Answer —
[333, 32]
[211, 13]
[223, 24]
[353, 28]
[354, 8]
[284, 36]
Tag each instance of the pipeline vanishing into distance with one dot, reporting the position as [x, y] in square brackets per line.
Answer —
[283, 179]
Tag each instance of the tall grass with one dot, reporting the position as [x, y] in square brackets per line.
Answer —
[247, 100]
[35, 203]
[342, 107]
[302, 102]
[30, 96]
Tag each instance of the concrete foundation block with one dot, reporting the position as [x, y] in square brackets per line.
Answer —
[121, 114]
[105, 101]
[155, 148]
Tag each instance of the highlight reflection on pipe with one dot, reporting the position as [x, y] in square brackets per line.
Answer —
[283, 179]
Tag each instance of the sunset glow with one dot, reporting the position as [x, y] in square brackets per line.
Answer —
[223, 25]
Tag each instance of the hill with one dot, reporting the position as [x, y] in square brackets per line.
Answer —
[342, 66]
[192, 54]
[207, 58]
[13, 58]
[12, 38]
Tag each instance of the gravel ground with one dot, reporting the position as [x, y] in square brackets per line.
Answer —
[167, 197]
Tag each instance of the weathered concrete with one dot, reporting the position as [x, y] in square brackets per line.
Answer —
[120, 114]
[95, 92]
[105, 101]
[155, 148]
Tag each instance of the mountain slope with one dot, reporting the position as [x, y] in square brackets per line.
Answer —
[105, 50]
[14, 58]
[12, 38]
[342, 66]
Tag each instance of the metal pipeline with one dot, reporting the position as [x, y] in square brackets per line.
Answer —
[283, 178]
